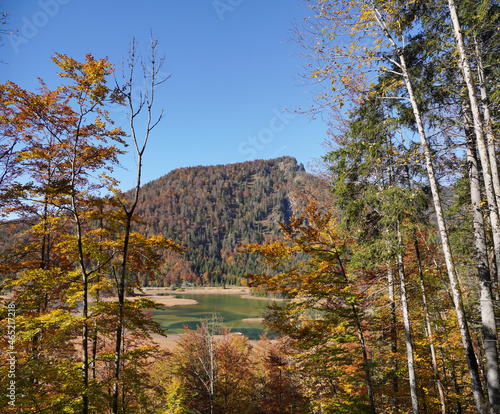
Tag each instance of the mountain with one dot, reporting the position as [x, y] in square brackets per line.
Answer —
[210, 210]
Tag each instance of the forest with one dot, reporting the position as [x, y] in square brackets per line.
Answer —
[389, 255]
[211, 210]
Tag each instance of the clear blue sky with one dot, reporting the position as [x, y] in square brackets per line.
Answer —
[233, 71]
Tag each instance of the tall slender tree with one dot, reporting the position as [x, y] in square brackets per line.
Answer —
[152, 77]
[388, 23]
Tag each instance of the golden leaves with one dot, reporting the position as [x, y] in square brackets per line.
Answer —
[350, 38]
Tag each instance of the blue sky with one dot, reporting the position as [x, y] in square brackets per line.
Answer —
[233, 72]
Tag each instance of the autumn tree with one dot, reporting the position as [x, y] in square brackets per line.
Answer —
[74, 239]
[64, 139]
[324, 319]
[280, 389]
[214, 369]
[151, 71]
[393, 28]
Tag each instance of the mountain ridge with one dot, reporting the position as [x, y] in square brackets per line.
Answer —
[209, 210]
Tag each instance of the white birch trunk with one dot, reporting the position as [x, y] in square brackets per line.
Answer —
[464, 65]
[407, 324]
[487, 126]
[445, 243]
[487, 304]
[394, 339]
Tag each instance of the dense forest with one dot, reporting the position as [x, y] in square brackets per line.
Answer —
[210, 210]
[389, 258]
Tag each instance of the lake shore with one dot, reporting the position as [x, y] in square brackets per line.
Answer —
[233, 290]
[159, 294]
[165, 297]
[160, 299]
[169, 342]
[261, 298]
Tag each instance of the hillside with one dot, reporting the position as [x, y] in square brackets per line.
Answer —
[209, 210]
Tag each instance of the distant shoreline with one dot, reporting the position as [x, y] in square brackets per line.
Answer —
[198, 290]
[261, 298]
[233, 290]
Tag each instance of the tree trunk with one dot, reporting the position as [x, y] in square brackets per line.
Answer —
[357, 321]
[85, 353]
[394, 339]
[366, 364]
[85, 302]
[121, 304]
[450, 265]
[428, 325]
[407, 324]
[487, 124]
[493, 380]
[486, 300]
[494, 267]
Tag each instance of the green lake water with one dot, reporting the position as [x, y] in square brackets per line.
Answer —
[232, 308]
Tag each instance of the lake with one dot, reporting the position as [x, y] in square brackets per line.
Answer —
[232, 308]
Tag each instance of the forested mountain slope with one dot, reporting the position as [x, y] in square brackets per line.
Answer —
[210, 210]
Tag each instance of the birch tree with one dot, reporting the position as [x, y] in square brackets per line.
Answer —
[384, 24]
